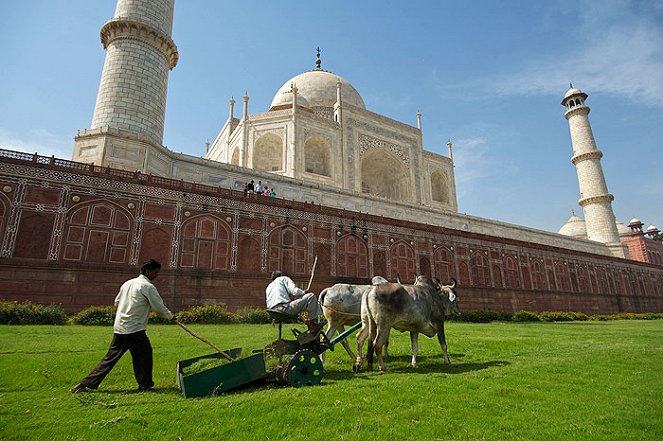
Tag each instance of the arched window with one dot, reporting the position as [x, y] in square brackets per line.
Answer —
[235, 157]
[98, 232]
[537, 275]
[402, 261]
[464, 274]
[497, 276]
[268, 153]
[479, 269]
[384, 175]
[578, 103]
[511, 273]
[439, 187]
[562, 276]
[287, 251]
[571, 104]
[4, 213]
[205, 243]
[443, 264]
[317, 156]
[351, 257]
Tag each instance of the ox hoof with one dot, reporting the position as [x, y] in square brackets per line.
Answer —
[356, 368]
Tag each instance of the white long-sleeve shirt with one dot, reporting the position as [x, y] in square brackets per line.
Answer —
[137, 297]
[277, 291]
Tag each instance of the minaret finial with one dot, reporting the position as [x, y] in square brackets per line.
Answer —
[571, 85]
[318, 62]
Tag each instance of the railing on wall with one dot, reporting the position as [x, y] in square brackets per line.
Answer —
[163, 182]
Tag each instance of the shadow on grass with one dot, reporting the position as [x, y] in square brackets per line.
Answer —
[425, 365]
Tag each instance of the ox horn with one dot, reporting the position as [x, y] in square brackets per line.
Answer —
[454, 283]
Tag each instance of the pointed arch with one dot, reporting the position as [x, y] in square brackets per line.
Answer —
[268, 153]
[287, 251]
[511, 272]
[351, 257]
[385, 175]
[443, 264]
[205, 243]
[317, 156]
[480, 271]
[234, 159]
[402, 260]
[98, 232]
[4, 214]
[537, 275]
[439, 187]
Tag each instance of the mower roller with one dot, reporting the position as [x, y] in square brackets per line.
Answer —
[295, 362]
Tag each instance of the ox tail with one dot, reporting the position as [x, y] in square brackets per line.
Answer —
[321, 297]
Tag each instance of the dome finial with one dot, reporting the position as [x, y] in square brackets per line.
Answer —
[318, 62]
[570, 85]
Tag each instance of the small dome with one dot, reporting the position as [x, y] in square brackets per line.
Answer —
[573, 91]
[623, 230]
[318, 88]
[286, 98]
[574, 227]
[652, 229]
[635, 222]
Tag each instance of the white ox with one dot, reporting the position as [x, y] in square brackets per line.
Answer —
[341, 306]
[418, 308]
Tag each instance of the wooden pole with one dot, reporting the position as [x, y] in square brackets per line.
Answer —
[226, 356]
[312, 272]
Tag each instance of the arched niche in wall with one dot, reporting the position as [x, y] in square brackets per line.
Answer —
[384, 175]
[402, 261]
[351, 257]
[98, 232]
[234, 160]
[317, 156]
[443, 264]
[205, 243]
[439, 187]
[268, 153]
[287, 251]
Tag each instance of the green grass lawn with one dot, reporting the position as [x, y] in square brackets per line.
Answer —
[536, 381]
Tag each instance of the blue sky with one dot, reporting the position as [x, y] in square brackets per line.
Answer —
[488, 75]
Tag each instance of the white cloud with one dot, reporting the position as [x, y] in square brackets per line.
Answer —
[618, 52]
[36, 141]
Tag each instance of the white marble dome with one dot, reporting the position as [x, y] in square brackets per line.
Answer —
[318, 88]
[574, 227]
[573, 91]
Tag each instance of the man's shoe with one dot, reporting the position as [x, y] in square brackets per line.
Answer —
[145, 389]
[78, 388]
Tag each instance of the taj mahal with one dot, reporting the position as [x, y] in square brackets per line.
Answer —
[355, 187]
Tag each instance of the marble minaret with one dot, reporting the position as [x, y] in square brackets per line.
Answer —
[595, 200]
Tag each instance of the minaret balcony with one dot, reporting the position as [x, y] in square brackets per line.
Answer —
[595, 154]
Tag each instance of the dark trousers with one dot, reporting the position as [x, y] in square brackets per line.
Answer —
[141, 354]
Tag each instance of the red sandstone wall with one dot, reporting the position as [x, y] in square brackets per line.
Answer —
[72, 236]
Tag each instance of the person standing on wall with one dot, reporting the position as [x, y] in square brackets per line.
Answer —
[133, 303]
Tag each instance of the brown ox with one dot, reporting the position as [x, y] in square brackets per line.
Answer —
[418, 308]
